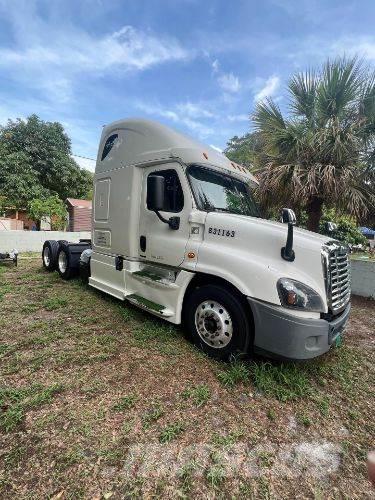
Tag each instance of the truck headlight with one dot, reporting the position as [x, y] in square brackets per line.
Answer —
[296, 295]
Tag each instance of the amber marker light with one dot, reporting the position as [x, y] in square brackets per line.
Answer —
[191, 255]
[291, 298]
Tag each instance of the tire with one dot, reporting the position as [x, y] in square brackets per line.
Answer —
[64, 265]
[84, 271]
[49, 255]
[217, 322]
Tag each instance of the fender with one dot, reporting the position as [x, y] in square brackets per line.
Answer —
[245, 251]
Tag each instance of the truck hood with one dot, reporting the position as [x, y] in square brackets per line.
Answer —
[273, 226]
[247, 252]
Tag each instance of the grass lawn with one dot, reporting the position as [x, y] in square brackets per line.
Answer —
[100, 400]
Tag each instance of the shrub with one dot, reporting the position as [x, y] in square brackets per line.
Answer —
[347, 230]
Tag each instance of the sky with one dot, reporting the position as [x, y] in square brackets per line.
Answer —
[199, 66]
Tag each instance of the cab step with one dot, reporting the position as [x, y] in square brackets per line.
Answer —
[149, 305]
[153, 278]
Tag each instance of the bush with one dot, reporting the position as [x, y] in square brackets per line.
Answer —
[347, 230]
[52, 209]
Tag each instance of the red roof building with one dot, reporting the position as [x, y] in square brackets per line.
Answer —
[79, 214]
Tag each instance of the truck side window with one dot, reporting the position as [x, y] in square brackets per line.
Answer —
[109, 143]
[174, 196]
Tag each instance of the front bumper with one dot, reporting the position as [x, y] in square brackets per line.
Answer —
[285, 336]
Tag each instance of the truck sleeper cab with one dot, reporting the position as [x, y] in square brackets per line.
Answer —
[176, 231]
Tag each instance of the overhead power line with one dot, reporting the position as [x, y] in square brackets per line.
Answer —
[85, 157]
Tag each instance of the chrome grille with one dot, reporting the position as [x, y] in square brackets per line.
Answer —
[337, 273]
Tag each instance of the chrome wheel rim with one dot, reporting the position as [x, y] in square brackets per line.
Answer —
[214, 324]
[46, 256]
[63, 264]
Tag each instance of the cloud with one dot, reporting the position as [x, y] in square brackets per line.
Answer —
[229, 82]
[177, 116]
[316, 50]
[194, 110]
[269, 88]
[367, 50]
[128, 49]
[364, 47]
[51, 58]
[238, 118]
[215, 66]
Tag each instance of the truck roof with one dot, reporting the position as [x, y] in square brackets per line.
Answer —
[141, 140]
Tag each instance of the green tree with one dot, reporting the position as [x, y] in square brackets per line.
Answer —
[51, 208]
[243, 149]
[19, 183]
[323, 151]
[35, 161]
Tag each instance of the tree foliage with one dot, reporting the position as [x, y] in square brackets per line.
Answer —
[243, 149]
[36, 162]
[19, 183]
[323, 151]
[51, 208]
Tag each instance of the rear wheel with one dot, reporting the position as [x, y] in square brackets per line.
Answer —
[49, 255]
[217, 322]
[64, 265]
[62, 242]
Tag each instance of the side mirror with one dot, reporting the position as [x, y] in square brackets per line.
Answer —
[155, 200]
[288, 216]
[330, 227]
[155, 192]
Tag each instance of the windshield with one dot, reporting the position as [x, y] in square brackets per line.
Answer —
[215, 191]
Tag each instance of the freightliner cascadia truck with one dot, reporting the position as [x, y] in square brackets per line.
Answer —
[176, 231]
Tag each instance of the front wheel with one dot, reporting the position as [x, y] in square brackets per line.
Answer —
[217, 322]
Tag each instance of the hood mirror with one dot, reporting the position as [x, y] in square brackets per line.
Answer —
[288, 216]
[330, 227]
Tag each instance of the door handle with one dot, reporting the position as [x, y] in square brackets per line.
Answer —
[142, 243]
[119, 263]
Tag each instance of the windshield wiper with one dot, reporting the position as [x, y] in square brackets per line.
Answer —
[230, 211]
[219, 209]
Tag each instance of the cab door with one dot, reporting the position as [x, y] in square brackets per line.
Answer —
[158, 242]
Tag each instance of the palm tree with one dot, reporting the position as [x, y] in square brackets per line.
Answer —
[324, 151]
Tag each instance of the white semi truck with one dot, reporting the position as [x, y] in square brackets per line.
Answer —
[177, 232]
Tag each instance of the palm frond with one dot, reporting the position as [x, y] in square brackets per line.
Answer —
[268, 117]
[340, 82]
[367, 97]
[302, 89]
[339, 143]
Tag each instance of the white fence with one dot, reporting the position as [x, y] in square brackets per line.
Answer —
[32, 241]
[363, 277]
